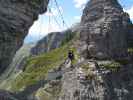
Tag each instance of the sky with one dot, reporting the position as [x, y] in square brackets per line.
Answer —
[71, 10]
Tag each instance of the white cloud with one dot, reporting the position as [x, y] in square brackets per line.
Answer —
[35, 29]
[78, 18]
[80, 3]
[42, 27]
[130, 12]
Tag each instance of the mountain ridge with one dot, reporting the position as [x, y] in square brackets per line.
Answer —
[102, 68]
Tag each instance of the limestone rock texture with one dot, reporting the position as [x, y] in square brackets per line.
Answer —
[105, 29]
[89, 81]
[16, 17]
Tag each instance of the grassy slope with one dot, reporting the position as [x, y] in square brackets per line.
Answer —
[37, 67]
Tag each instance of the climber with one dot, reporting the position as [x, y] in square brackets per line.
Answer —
[71, 56]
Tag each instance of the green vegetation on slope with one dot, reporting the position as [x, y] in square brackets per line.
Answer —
[112, 65]
[130, 50]
[68, 37]
[38, 67]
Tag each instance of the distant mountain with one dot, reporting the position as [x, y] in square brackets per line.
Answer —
[51, 41]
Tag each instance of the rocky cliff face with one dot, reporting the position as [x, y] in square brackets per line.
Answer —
[18, 61]
[51, 41]
[105, 28]
[16, 17]
[130, 37]
[89, 80]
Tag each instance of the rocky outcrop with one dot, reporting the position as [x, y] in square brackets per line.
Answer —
[130, 37]
[18, 61]
[89, 80]
[5, 95]
[51, 41]
[105, 28]
[16, 17]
